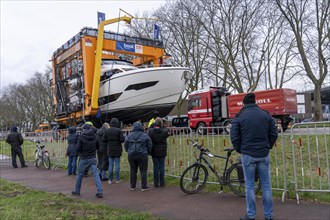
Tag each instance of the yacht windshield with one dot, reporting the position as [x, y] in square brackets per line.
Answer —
[118, 62]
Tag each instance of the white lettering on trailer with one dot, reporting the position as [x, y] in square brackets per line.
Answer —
[258, 101]
[262, 101]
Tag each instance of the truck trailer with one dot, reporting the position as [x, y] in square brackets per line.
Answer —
[216, 107]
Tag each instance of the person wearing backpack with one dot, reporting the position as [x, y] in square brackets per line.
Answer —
[138, 146]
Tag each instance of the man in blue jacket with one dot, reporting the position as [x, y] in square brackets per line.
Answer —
[138, 145]
[253, 134]
[87, 146]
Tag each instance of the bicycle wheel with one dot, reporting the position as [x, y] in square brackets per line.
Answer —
[38, 161]
[193, 179]
[46, 162]
[236, 181]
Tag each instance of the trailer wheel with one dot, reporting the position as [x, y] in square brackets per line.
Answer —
[201, 128]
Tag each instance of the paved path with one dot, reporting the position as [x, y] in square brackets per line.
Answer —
[168, 202]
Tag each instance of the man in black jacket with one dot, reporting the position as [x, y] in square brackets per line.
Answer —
[87, 146]
[253, 134]
[159, 135]
[15, 140]
[114, 138]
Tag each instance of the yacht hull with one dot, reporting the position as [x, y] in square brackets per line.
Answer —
[135, 95]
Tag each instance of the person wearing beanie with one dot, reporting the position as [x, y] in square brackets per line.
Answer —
[152, 121]
[15, 140]
[114, 137]
[138, 145]
[159, 135]
[253, 133]
[250, 98]
[87, 146]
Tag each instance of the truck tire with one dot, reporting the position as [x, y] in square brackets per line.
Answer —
[201, 128]
[227, 126]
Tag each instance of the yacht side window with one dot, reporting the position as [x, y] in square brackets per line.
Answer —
[110, 73]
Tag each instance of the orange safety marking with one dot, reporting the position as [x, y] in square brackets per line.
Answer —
[319, 171]
[300, 142]
[180, 163]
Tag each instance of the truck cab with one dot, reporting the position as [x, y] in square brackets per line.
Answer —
[207, 108]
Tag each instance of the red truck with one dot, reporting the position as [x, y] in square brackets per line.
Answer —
[215, 107]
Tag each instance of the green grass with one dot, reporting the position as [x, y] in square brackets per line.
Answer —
[19, 202]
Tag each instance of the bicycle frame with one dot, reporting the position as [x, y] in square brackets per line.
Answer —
[222, 179]
[41, 152]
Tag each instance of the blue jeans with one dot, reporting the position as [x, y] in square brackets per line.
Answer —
[72, 165]
[83, 164]
[103, 174]
[114, 161]
[159, 171]
[262, 164]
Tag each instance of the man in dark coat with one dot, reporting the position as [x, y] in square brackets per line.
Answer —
[159, 135]
[138, 145]
[87, 146]
[253, 134]
[114, 138]
[15, 140]
[72, 151]
[102, 158]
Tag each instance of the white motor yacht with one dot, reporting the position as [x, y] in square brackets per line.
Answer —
[130, 93]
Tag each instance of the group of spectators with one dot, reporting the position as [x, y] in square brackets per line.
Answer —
[100, 150]
[253, 134]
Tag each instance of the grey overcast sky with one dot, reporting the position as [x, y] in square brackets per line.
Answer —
[32, 30]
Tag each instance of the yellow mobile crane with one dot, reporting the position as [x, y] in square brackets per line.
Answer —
[76, 67]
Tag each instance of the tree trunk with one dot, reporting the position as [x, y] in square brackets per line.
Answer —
[318, 114]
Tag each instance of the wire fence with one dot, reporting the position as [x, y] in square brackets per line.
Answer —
[299, 159]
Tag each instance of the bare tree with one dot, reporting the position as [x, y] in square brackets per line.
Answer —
[309, 22]
[29, 104]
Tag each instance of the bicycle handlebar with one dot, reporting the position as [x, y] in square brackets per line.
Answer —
[204, 150]
[199, 147]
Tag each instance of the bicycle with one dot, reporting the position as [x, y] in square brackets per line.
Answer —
[42, 156]
[193, 179]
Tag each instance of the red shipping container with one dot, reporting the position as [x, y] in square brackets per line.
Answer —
[276, 101]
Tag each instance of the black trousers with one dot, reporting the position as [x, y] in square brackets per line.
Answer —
[141, 162]
[102, 161]
[17, 151]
